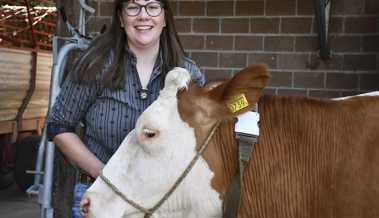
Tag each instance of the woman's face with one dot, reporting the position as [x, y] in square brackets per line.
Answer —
[143, 30]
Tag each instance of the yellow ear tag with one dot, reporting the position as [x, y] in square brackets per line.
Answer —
[238, 103]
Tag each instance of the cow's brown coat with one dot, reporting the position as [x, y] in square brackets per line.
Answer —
[314, 159]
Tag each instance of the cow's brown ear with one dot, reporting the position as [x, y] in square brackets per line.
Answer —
[242, 92]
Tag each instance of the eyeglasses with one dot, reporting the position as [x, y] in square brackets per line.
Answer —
[153, 9]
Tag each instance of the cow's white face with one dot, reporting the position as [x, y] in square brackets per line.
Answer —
[150, 160]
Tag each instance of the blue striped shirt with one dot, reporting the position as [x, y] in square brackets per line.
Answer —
[109, 115]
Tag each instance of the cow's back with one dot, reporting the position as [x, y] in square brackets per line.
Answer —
[314, 159]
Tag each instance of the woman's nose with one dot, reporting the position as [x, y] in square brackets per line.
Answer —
[143, 12]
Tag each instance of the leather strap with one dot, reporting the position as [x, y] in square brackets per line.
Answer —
[232, 199]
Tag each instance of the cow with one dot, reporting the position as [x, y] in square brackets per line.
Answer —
[314, 158]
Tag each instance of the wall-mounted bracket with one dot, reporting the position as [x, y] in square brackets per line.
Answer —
[322, 13]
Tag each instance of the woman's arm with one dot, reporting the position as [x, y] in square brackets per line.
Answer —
[74, 149]
[69, 109]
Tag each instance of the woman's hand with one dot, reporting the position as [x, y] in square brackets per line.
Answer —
[84, 207]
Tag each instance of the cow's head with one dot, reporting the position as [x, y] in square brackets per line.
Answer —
[166, 138]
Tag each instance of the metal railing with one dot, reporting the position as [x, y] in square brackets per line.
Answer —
[42, 187]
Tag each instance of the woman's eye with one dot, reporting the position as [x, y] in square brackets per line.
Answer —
[132, 8]
[153, 7]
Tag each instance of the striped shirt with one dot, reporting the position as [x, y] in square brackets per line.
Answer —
[108, 115]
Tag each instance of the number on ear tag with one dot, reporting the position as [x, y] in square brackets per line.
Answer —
[238, 103]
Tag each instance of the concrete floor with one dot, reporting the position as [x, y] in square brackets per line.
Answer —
[16, 204]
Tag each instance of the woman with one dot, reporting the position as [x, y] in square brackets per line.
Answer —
[134, 57]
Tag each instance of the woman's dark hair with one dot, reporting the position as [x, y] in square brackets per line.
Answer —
[114, 41]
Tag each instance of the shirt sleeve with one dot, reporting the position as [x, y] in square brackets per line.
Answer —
[196, 74]
[70, 107]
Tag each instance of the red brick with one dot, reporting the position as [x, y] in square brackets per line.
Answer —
[296, 25]
[351, 93]
[266, 58]
[232, 60]
[345, 43]
[292, 61]
[369, 81]
[278, 43]
[341, 81]
[219, 42]
[205, 59]
[372, 7]
[208, 25]
[174, 5]
[220, 8]
[280, 79]
[282, 7]
[249, 43]
[360, 62]
[217, 75]
[307, 43]
[344, 7]
[309, 80]
[106, 9]
[335, 25]
[361, 25]
[292, 92]
[264, 25]
[235, 25]
[325, 93]
[269, 91]
[305, 7]
[96, 24]
[192, 42]
[183, 25]
[371, 43]
[335, 63]
[249, 7]
[191, 8]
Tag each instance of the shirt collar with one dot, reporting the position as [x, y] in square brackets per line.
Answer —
[157, 66]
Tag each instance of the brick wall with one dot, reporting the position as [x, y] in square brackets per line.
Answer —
[225, 36]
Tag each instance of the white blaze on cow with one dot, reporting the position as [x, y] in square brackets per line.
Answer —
[314, 157]
[149, 161]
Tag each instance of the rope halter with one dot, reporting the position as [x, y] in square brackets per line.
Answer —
[149, 212]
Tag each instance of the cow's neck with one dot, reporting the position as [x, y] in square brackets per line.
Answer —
[221, 156]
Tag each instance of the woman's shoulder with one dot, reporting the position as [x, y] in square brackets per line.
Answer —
[195, 71]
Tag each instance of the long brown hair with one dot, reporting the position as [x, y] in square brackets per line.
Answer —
[114, 41]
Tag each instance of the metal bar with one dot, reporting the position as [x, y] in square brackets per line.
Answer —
[322, 19]
[59, 64]
[48, 181]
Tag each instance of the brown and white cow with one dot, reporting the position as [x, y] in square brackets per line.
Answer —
[314, 158]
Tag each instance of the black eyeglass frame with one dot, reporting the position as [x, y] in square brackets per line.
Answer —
[125, 4]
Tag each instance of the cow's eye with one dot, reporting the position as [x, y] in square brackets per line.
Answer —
[149, 133]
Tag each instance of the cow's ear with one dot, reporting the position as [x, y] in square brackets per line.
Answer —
[240, 93]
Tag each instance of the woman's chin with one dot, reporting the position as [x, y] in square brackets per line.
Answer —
[144, 42]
